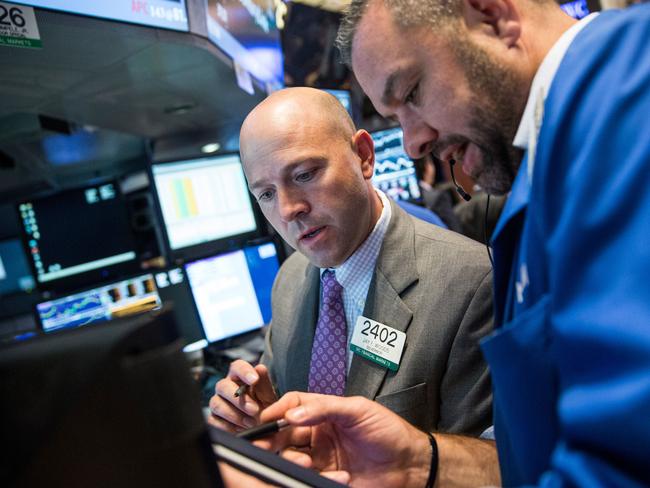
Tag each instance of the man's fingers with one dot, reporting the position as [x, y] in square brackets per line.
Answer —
[342, 477]
[287, 402]
[222, 409]
[297, 457]
[264, 391]
[244, 372]
[294, 437]
[312, 409]
[226, 389]
[223, 425]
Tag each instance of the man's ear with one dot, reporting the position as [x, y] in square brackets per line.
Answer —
[365, 148]
[497, 18]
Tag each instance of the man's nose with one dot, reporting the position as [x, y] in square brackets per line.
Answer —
[291, 204]
[419, 137]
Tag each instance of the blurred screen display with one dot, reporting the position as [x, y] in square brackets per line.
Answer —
[101, 304]
[394, 170]
[233, 291]
[246, 30]
[167, 14]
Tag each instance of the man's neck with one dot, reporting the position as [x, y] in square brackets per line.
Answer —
[547, 24]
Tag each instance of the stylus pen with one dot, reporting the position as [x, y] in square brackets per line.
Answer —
[241, 390]
[262, 430]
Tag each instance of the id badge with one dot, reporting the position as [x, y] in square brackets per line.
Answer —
[378, 343]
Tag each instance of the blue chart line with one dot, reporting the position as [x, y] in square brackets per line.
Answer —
[72, 312]
[388, 166]
[59, 310]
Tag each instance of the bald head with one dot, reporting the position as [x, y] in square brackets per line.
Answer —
[311, 172]
[292, 110]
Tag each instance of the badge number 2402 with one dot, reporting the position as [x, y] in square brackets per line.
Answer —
[382, 334]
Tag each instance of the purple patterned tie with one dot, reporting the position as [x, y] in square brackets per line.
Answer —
[328, 361]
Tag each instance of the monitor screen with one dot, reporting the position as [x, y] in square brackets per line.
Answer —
[103, 407]
[203, 200]
[344, 97]
[126, 297]
[232, 291]
[575, 8]
[174, 290]
[246, 30]
[169, 14]
[394, 170]
[15, 275]
[81, 235]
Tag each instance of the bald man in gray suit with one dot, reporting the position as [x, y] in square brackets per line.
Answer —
[310, 171]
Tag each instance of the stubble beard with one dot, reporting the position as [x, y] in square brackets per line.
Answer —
[498, 103]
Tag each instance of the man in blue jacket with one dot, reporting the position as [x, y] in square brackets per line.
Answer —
[556, 112]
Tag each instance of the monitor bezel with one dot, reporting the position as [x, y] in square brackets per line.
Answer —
[215, 246]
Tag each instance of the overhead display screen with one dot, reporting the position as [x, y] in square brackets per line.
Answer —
[246, 30]
[167, 14]
[203, 200]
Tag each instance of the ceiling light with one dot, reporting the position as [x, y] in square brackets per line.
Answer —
[210, 148]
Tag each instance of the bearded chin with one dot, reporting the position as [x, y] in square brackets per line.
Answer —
[500, 166]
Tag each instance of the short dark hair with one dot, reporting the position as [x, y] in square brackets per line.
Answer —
[407, 13]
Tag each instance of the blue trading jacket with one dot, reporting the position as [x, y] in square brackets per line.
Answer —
[570, 360]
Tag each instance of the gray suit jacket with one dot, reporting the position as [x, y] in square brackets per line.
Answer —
[432, 284]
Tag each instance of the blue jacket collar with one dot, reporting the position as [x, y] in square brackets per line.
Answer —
[505, 241]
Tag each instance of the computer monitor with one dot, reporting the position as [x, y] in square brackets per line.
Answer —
[15, 274]
[247, 31]
[232, 291]
[167, 14]
[111, 406]
[344, 97]
[78, 236]
[101, 304]
[577, 9]
[204, 203]
[394, 170]
[174, 290]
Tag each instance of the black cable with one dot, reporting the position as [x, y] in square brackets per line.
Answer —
[464, 195]
[485, 231]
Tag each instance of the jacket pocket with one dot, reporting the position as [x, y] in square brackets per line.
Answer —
[409, 403]
[524, 381]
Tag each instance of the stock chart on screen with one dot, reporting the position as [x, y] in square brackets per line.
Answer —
[100, 304]
[394, 170]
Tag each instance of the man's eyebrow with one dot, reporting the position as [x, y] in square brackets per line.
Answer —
[388, 95]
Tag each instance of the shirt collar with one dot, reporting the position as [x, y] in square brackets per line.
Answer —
[362, 261]
[531, 120]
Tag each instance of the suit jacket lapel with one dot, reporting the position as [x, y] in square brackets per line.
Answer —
[301, 337]
[395, 271]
